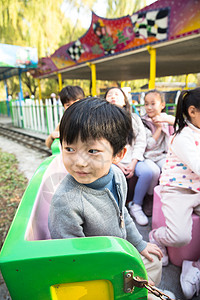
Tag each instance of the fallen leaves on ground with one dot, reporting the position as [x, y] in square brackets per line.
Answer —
[12, 186]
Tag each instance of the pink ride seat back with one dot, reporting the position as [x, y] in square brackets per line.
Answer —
[177, 255]
[37, 228]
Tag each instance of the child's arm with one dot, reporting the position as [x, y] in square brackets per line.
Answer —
[158, 131]
[54, 135]
[65, 220]
[140, 142]
[152, 138]
[136, 239]
[187, 151]
[164, 118]
[133, 235]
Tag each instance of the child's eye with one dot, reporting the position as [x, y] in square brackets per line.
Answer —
[69, 149]
[93, 151]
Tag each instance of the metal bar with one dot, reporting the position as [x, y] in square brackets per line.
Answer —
[152, 76]
[59, 81]
[40, 92]
[93, 76]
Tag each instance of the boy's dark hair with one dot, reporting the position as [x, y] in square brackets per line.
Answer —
[96, 118]
[127, 104]
[71, 93]
[185, 100]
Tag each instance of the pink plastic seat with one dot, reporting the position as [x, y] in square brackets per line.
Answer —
[188, 252]
[37, 228]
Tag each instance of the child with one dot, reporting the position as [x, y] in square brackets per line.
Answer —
[157, 133]
[133, 162]
[90, 200]
[68, 95]
[180, 178]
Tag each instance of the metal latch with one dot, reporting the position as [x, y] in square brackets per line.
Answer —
[130, 282]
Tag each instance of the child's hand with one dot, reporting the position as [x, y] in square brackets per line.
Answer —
[55, 134]
[151, 248]
[122, 167]
[158, 119]
[164, 118]
[130, 168]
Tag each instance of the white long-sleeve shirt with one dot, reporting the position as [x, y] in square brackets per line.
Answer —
[182, 167]
[136, 150]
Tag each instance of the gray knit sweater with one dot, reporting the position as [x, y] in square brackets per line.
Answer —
[79, 211]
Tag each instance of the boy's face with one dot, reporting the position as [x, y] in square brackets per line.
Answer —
[153, 104]
[88, 161]
[68, 104]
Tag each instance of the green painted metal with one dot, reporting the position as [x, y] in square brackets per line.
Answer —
[55, 146]
[29, 268]
[3, 108]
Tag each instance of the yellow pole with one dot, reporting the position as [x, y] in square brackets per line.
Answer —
[122, 84]
[59, 81]
[93, 71]
[186, 81]
[39, 86]
[152, 77]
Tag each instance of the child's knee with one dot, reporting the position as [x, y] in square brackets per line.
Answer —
[179, 236]
[148, 174]
[181, 240]
[154, 269]
[156, 173]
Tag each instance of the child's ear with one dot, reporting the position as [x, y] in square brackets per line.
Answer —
[118, 157]
[65, 106]
[162, 105]
[191, 111]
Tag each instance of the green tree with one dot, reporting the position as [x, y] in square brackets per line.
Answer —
[118, 8]
[41, 24]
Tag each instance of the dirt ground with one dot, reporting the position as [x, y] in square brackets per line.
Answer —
[28, 162]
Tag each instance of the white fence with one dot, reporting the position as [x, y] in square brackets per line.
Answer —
[34, 115]
[44, 118]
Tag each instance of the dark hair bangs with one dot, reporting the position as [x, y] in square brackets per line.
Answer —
[94, 118]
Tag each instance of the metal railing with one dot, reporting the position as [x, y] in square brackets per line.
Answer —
[35, 115]
[43, 118]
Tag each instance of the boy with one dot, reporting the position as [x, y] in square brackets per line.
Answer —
[90, 201]
[68, 95]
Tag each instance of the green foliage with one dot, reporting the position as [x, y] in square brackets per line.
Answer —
[39, 24]
[12, 186]
[49, 86]
[11, 180]
[118, 8]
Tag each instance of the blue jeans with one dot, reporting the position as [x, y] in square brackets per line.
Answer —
[156, 168]
[144, 174]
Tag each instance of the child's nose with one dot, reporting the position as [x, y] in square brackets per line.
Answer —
[81, 160]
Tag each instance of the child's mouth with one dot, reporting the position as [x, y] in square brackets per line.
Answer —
[81, 173]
